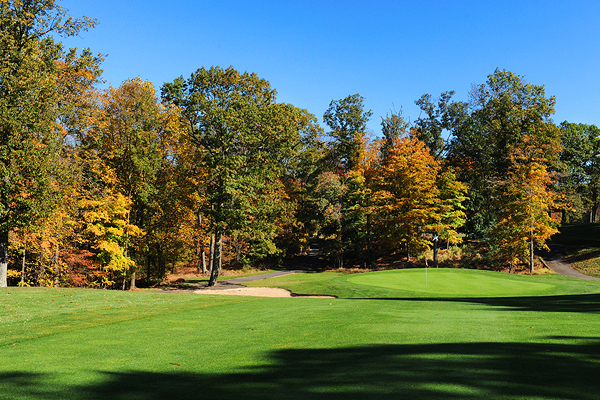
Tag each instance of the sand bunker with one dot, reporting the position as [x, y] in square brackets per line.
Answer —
[257, 291]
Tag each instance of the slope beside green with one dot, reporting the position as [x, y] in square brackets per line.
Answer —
[581, 246]
[379, 343]
[429, 283]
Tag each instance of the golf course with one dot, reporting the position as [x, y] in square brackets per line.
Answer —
[414, 334]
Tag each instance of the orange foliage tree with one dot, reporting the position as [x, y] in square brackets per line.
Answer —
[524, 200]
[407, 197]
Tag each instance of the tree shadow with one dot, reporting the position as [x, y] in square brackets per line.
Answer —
[580, 303]
[578, 254]
[382, 372]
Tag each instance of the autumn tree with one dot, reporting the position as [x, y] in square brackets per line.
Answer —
[301, 180]
[30, 137]
[347, 120]
[245, 138]
[501, 113]
[406, 196]
[139, 140]
[525, 199]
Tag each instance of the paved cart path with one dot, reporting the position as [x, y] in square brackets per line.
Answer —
[295, 265]
[556, 261]
[298, 264]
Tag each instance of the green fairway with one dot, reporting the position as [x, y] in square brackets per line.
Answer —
[385, 338]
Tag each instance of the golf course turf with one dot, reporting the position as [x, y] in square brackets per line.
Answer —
[389, 335]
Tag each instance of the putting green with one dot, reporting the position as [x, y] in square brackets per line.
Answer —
[452, 282]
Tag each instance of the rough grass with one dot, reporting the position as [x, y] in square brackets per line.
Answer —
[582, 247]
[383, 340]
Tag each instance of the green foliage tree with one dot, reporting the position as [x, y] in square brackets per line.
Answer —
[30, 138]
[347, 121]
[245, 138]
[580, 156]
[503, 111]
[440, 117]
[393, 127]
[300, 181]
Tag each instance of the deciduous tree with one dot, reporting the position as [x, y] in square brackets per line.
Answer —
[524, 200]
[580, 156]
[406, 196]
[30, 137]
[502, 112]
[245, 138]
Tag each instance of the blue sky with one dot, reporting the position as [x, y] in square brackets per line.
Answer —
[391, 52]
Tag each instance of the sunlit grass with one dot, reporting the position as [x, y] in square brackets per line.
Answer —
[383, 341]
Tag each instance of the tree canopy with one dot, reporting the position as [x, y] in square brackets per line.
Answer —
[106, 186]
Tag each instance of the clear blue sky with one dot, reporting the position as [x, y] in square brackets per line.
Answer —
[391, 52]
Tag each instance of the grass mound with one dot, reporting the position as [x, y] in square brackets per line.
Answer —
[435, 282]
[438, 283]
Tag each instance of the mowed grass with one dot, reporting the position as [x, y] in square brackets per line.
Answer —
[388, 336]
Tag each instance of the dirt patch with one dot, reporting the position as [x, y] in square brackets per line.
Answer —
[257, 291]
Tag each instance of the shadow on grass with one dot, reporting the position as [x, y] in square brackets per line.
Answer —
[581, 303]
[579, 254]
[567, 370]
[582, 241]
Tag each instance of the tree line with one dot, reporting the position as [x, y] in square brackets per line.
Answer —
[104, 188]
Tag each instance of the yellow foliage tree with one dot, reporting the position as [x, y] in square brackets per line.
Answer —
[108, 230]
[407, 197]
[525, 199]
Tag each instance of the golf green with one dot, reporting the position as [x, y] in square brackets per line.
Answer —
[452, 282]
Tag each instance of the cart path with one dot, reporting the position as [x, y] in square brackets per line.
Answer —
[556, 261]
[297, 264]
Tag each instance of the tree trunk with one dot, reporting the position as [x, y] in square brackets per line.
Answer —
[531, 255]
[211, 262]
[238, 254]
[435, 249]
[201, 264]
[132, 286]
[56, 265]
[204, 269]
[369, 244]
[216, 267]
[341, 256]
[23, 262]
[594, 210]
[42, 269]
[3, 255]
